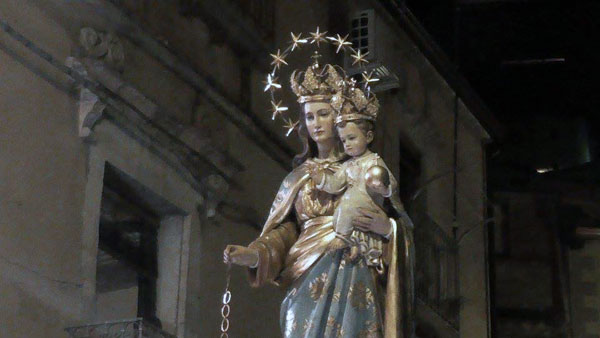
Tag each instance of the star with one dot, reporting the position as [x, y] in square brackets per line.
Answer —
[296, 41]
[318, 37]
[278, 59]
[360, 58]
[290, 126]
[277, 109]
[340, 42]
[368, 78]
[271, 83]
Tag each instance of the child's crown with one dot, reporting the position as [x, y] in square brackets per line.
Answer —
[351, 103]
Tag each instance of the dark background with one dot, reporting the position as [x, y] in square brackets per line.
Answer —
[534, 63]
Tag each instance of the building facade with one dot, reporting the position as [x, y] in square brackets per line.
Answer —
[135, 143]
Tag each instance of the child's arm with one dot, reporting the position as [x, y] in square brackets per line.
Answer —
[377, 179]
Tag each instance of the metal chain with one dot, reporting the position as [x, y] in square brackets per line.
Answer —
[225, 309]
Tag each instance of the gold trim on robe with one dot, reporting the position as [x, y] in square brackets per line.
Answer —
[312, 243]
[287, 249]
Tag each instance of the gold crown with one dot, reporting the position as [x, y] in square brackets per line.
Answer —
[317, 83]
[322, 83]
[351, 103]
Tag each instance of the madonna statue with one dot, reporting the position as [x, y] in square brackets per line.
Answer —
[330, 293]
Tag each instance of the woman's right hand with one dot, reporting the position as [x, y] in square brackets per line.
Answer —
[240, 255]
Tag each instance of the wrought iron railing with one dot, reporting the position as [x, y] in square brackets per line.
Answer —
[128, 328]
[437, 269]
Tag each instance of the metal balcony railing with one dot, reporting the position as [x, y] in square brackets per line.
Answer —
[128, 328]
[437, 269]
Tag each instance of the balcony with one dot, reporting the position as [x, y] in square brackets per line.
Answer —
[128, 328]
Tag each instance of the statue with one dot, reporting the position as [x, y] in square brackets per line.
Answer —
[351, 276]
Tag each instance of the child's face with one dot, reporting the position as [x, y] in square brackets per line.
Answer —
[354, 139]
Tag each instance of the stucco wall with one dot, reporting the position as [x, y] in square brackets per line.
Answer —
[50, 178]
[42, 168]
[48, 199]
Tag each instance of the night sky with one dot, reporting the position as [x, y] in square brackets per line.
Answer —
[534, 63]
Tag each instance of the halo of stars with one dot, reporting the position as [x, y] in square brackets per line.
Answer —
[315, 38]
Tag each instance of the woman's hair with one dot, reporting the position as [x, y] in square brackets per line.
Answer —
[309, 147]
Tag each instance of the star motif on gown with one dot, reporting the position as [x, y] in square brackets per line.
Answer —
[317, 287]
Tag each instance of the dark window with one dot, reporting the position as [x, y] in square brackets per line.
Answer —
[360, 33]
[127, 246]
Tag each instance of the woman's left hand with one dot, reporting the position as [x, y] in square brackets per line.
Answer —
[374, 220]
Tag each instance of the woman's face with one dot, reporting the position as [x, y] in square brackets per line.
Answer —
[319, 121]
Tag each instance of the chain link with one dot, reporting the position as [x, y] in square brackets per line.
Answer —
[226, 309]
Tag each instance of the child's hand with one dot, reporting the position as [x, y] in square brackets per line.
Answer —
[316, 173]
[318, 177]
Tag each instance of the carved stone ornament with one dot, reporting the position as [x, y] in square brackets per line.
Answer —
[103, 46]
[90, 107]
[90, 111]
[216, 189]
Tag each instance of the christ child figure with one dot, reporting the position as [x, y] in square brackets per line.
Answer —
[365, 182]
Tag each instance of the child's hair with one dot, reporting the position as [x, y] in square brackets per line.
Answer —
[364, 125]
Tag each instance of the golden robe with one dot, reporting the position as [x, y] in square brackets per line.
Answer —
[292, 240]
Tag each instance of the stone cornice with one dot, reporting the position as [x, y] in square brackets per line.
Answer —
[240, 32]
[247, 121]
[192, 165]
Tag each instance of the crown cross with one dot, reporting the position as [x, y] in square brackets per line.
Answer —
[316, 58]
